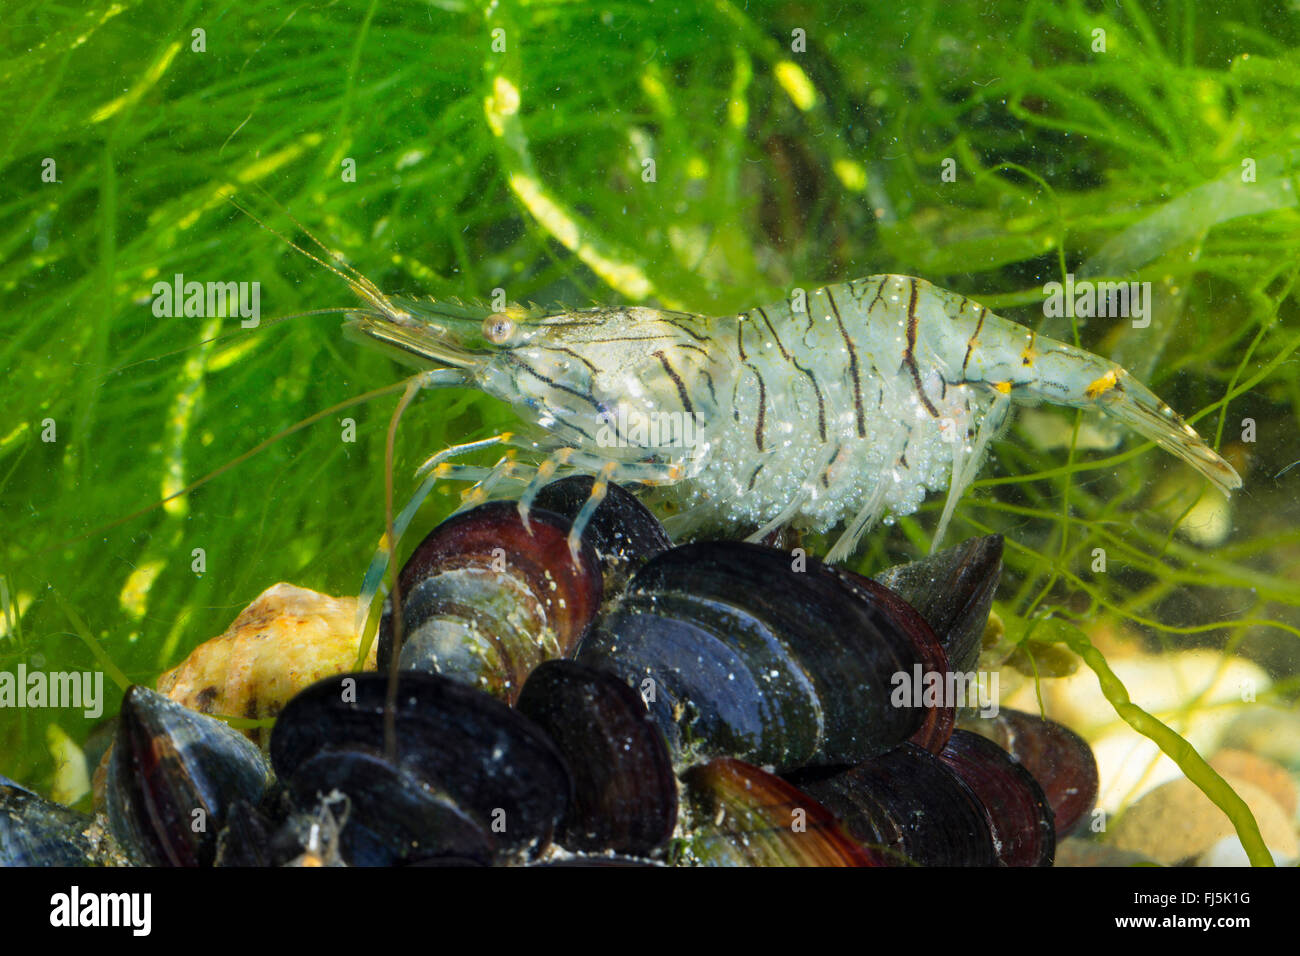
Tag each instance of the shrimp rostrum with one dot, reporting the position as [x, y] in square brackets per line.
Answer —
[838, 413]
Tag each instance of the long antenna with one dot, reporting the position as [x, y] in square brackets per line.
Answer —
[357, 282]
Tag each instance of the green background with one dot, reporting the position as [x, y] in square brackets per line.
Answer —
[522, 169]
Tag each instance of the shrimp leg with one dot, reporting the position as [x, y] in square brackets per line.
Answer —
[965, 466]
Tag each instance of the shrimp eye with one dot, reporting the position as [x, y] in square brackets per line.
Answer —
[498, 328]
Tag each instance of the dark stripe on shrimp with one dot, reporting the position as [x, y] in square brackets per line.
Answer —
[586, 397]
[569, 351]
[970, 344]
[771, 328]
[564, 323]
[676, 320]
[880, 294]
[762, 410]
[708, 380]
[586, 434]
[821, 402]
[677, 380]
[909, 356]
[853, 365]
[762, 386]
[632, 338]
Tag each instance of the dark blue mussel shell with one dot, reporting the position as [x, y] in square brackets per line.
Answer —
[471, 778]
[38, 832]
[953, 590]
[739, 655]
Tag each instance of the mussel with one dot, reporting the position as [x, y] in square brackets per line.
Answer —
[1018, 813]
[393, 816]
[739, 654]
[907, 806]
[741, 815]
[38, 832]
[625, 793]
[1058, 759]
[953, 590]
[716, 703]
[470, 777]
[939, 717]
[486, 598]
[172, 777]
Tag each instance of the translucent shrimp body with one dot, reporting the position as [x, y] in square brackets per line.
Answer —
[837, 411]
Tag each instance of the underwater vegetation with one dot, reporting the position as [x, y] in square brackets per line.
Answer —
[704, 158]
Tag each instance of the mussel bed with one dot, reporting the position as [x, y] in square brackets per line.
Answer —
[624, 702]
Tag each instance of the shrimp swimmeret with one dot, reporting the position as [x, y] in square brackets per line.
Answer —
[875, 393]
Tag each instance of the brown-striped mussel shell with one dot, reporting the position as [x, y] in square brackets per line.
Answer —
[486, 598]
[173, 776]
[1058, 759]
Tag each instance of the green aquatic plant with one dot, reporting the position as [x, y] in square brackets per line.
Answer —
[706, 158]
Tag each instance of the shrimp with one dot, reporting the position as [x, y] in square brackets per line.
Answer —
[839, 409]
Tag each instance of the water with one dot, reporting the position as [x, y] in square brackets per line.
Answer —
[704, 159]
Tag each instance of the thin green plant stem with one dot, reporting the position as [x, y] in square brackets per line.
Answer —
[1192, 764]
[82, 631]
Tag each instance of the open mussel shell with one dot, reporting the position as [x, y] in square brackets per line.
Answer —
[741, 815]
[624, 790]
[1019, 816]
[907, 807]
[738, 654]
[38, 832]
[486, 599]
[1058, 758]
[453, 744]
[623, 531]
[173, 776]
[953, 590]
[939, 718]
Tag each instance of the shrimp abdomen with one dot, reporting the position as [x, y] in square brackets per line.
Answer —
[975, 346]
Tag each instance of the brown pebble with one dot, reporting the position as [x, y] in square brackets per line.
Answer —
[1175, 823]
[1262, 772]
